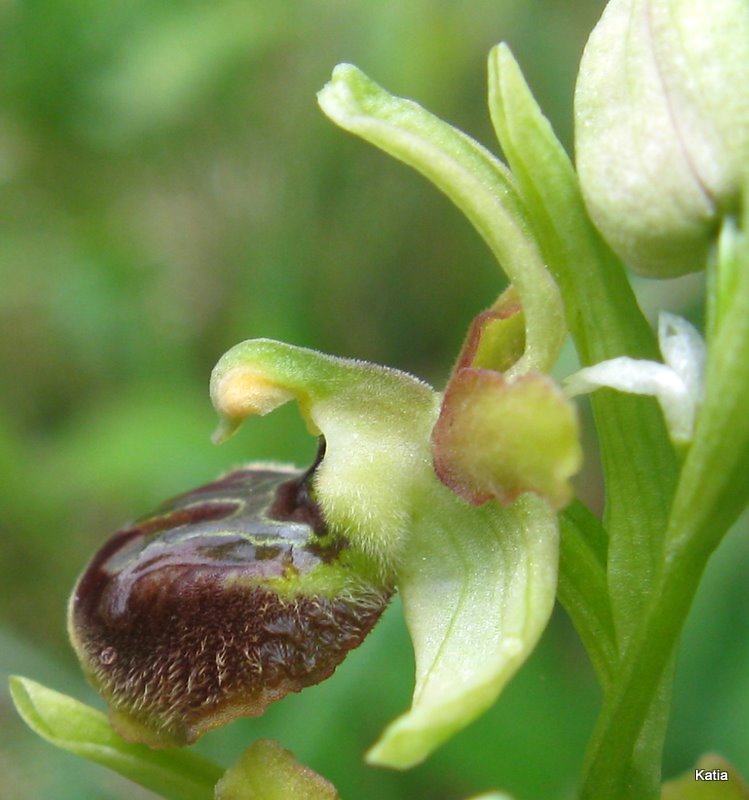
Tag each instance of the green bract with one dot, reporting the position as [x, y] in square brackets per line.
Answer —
[662, 127]
[265, 771]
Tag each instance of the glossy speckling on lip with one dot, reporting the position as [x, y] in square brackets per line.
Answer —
[178, 619]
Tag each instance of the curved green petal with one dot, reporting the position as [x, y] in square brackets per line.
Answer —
[478, 587]
[479, 184]
[500, 438]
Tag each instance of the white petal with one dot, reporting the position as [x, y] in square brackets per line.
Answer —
[642, 377]
[683, 349]
[625, 374]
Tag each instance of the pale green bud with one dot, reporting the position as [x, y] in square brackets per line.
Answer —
[662, 127]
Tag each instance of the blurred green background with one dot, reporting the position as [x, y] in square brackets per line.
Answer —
[168, 188]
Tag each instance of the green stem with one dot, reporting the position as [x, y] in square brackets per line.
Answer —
[710, 496]
[613, 743]
[638, 459]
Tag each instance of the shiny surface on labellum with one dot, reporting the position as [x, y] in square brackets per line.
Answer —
[191, 616]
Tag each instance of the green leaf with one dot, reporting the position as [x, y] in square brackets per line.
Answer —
[712, 491]
[73, 726]
[478, 586]
[477, 182]
[266, 771]
[605, 321]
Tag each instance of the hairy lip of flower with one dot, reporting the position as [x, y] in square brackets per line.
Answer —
[221, 602]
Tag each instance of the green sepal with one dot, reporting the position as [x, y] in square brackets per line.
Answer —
[475, 180]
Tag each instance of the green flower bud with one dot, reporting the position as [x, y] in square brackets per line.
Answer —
[222, 601]
[662, 127]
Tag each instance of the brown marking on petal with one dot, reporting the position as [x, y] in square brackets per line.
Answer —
[188, 516]
[131, 539]
[227, 482]
[294, 503]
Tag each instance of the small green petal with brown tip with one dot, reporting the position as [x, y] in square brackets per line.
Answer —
[501, 437]
[496, 337]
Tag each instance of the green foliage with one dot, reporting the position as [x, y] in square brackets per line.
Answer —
[73, 726]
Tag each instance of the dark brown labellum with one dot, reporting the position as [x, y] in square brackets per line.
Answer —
[223, 600]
